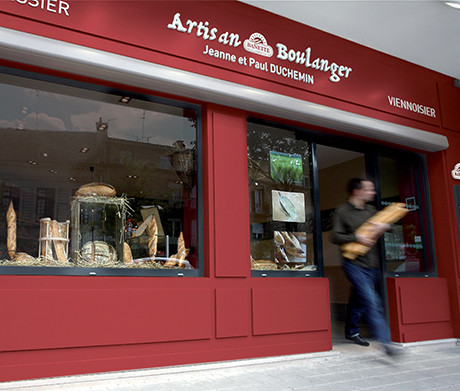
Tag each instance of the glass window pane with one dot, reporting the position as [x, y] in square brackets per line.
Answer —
[140, 157]
[406, 245]
[281, 204]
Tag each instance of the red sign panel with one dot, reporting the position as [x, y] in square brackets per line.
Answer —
[231, 36]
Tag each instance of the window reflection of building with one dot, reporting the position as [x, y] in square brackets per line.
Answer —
[45, 203]
[258, 201]
[40, 168]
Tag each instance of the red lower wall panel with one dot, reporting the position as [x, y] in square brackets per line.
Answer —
[57, 318]
[419, 309]
[290, 310]
[61, 325]
[233, 312]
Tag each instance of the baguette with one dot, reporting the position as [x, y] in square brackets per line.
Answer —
[58, 244]
[390, 214]
[128, 254]
[181, 246]
[11, 231]
[172, 261]
[153, 237]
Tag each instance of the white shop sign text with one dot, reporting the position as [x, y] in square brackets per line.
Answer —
[54, 6]
[258, 45]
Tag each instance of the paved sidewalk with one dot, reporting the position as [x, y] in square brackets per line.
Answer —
[424, 366]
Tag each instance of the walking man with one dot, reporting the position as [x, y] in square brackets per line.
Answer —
[364, 271]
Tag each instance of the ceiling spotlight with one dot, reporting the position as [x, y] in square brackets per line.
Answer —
[125, 99]
[73, 179]
[101, 125]
[133, 176]
[32, 162]
[84, 150]
[54, 172]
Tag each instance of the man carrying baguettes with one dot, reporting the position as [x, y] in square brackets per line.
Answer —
[356, 228]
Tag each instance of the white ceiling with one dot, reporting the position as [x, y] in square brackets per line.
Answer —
[423, 32]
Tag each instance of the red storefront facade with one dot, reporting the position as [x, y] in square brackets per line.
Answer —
[234, 64]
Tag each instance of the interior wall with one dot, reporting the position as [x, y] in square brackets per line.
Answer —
[332, 184]
[333, 181]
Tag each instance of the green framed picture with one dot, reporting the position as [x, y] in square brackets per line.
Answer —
[286, 168]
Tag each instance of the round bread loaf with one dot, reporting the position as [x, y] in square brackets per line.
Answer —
[96, 189]
[24, 258]
[99, 252]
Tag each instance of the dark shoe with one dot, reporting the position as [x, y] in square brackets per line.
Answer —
[392, 351]
[357, 339]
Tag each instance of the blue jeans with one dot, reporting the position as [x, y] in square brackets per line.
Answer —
[365, 301]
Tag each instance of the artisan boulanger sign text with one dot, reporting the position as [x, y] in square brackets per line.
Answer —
[258, 45]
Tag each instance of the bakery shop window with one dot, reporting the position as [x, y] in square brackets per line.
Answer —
[91, 183]
[281, 201]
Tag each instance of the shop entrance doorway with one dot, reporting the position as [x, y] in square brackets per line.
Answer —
[336, 166]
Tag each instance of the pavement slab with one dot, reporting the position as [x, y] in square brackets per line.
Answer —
[424, 366]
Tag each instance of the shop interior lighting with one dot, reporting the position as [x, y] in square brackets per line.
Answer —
[54, 172]
[84, 150]
[133, 176]
[101, 125]
[73, 179]
[32, 162]
[125, 99]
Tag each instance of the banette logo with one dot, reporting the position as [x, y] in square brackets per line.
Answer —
[456, 172]
[258, 44]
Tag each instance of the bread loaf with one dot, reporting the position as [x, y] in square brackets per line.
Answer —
[390, 214]
[98, 252]
[24, 258]
[182, 263]
[11, 231]
[153, 237]
[182, 252]
[172, 261]
[96, 189]
[181, 246]
[128, 254]
[58, 244]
